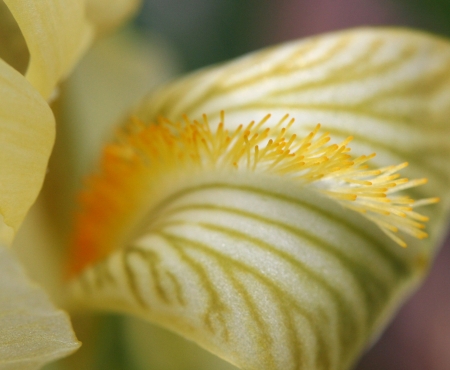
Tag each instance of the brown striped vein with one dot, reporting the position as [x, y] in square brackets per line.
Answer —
[222, 259]
[361, 276]
[388, 257]
[348, 326]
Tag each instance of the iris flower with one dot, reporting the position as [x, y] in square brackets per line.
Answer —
[276, 209]
[57, 33]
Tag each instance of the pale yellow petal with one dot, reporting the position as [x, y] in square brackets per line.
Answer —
[13, 48]
[263, 275]
[108, 14]
[33, 331]
[57, 34]
[27, 135]
[388, 88]
[263, 269]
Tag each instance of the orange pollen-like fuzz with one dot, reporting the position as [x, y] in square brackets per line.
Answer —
[133, 169]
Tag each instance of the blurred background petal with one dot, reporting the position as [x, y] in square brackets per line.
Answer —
[107, 14]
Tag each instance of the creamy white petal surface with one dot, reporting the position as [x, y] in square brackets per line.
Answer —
[259, 273]
[33, 331]
[262, 269]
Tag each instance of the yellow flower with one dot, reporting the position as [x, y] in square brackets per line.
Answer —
[225, 213]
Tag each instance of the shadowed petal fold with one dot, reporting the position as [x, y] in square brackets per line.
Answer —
[13, 48]
[57, 33]
[27, 136]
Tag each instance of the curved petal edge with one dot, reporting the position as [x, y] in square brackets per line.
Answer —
[33, 331]
[27, 129]
[57, 33]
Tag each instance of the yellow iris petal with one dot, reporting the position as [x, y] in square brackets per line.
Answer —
[33, 331]
[27, 136]
[56, 33]
[241, 247]
[265, 268]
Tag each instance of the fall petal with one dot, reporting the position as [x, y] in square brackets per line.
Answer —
[266, 242]
[26, 140]
[33, 331]
[57, 33]
[260, 274]
[259, 264]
